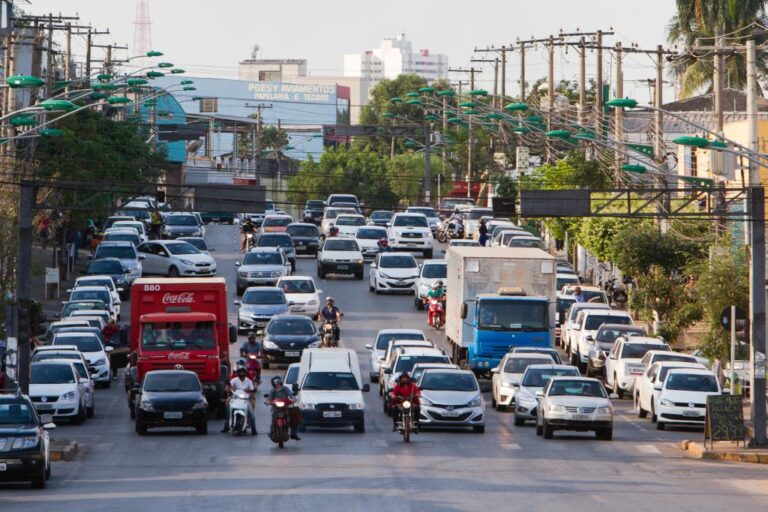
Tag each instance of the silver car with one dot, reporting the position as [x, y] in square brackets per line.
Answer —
[534, 379]
[451, 398]
[262, 266]
[574, 403]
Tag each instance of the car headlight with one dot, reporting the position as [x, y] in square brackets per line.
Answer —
[605, 410]
[243, 273]
[100, 362]
[270, 345]
[556, 408]
[358, 406]
[277, 274]
[358, 261]
[425, 401]
[312, 302]
[315, 344]
[67, 397]
[120, 280]
[385, 276]
[476, 402]
[200, 405]
[307, 406]
[666, 403]
[146, 405]
[187, 262]
[20, 443]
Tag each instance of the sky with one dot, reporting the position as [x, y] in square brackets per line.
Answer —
[209, 38]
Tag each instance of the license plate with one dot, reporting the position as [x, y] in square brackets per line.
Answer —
[172, 415]
[293, 354]
[342, 267]
[295, 308]
[451, 414]
[691, 414]
[579, 417]
[3, 466]
[639, 371]
[331, 414]
[44, 407]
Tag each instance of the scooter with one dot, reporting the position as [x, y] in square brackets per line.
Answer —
[406, 425]
[238, 415]
[329, 340]
[253, 366]
[280, 421]
[435, 313]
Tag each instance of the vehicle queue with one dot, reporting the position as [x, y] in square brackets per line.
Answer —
[176, 349]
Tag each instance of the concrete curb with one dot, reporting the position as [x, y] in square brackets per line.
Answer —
[63, 450]
[697, 451]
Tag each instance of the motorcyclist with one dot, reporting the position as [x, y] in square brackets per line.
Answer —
[277, 392]
[333, 231]
[330, 313]
[436, 292]
[405, 389]
[242, 383]
[248, 228]
[383, 245]
[251, 346]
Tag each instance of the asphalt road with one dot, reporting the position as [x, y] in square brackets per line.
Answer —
[507, 468]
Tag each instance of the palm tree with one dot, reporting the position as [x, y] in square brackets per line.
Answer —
[705, 19]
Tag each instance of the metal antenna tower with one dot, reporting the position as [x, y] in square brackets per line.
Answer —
[142, 28]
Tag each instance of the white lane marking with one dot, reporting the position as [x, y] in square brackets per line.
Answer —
[511, 446]
[649, 449]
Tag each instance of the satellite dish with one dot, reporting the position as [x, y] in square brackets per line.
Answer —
[255, 52]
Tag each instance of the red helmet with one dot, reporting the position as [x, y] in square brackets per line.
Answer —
[382, 242]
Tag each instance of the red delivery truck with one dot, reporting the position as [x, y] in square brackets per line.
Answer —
[181, 324]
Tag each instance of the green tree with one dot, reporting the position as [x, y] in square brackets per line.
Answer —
[406, 178]
[705, 19]
[273, 137]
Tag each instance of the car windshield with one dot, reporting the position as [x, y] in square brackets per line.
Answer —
[198, 243]
[478, 214]
[336, 381]
[399, 261]
[405, 363]
[637, 350]
[383, 340]
[105, 267]
[70, 307]
[274, 241]
[564, 280]
[577, 388]
[531, 350]
[448, 381]
[692, 382]
[52, 354]
[300, 326]
[519, 364]
[434, 271]
[83, 343]
[508, 315]
[609, 335]
[297, 286]
[121, 252]
[177, 335]
[538, 378]
[102, 295]
[122, 237]
[671, 356]
[263, 258]
[51, 374]
[525, 242]
[381, 215]
[341, 245]
[277, 221]
[664, 370]
[15, 413]
[182, 248]
[105, 282]
[371, 234]
[171, 383]
[264, 297]
[314, 203]
[138, 226]
[181, 220]
[589, 295]
[416, 221]
[343, 220]
[302, 231]
[427, 212]
[593, 322]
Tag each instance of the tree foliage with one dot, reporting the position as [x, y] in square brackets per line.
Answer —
[406, 178]
[273, 137]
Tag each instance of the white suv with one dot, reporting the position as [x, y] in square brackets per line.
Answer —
[588, 323]
[624, 365]
[410, 231]
[648, 385]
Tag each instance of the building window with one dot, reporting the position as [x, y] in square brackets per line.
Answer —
[210, 105]
[270, 76]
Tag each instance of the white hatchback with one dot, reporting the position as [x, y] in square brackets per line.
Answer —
[302, 294]
[393, 273]
[683, 397]
[95, 353]
[54, 388]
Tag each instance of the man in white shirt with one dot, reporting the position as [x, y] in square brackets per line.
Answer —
[242, 383]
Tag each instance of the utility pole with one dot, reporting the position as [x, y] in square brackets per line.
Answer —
[522, 71]
[550, 93]
[24, 283]
[257, 146]
[717, 84]
[470, 132]
[427, 163]
[618, 112]
[599, 100]
[68, 61]
[582, 81]
[658, 100]
[49, 60]
[88, 44]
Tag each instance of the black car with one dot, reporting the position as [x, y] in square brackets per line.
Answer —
[285, 337]
[380, 218]
[171, 398]
[313, 211]
[24, 441]
[113, 268]
[305, 236]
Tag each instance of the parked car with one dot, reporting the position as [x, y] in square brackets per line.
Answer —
[392, 272]
[683, 397]
[340, 256]
[305, 237]
[94, 351]
[451, 398]
[258, 306]
[505, 378]
[623, 365]
[648, 385]
[286, 337]
[171, 398]
[27, 453]
[574, 403]
[262, 266]
[125, 252]
[603, 343]
[173, 258]
[532, 382]
[54, 388]
[379, 346]
[302, 294]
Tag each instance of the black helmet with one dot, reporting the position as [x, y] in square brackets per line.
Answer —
[276, 380]
[404, 374]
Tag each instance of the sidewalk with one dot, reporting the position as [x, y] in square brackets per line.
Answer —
[42, 259]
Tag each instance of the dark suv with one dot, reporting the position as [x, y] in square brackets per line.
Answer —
[26, 454]
[313, 211]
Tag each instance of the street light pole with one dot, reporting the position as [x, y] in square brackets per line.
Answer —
[427, 163]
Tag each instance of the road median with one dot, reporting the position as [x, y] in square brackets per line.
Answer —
[724, 451]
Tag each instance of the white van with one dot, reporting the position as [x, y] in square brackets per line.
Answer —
[330, 389]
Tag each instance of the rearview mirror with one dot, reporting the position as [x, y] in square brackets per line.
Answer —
[613, 396]
[494, 370]
[83, 380]
[142, 256]
[295, 388]
[108, 349]
[46, 418]
[369, 346]
[388, 371]
[726, 392]
[540, 393]
[463, 310]
[237, 263]
[236, 302]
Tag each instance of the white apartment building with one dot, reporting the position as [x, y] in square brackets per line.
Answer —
[394, 57]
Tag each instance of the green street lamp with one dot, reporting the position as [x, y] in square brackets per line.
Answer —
[155, 74]
[105, 87]
[521, 130]
[427, 90]
[410, 144]
[23, 120]
[699, 182]
[622, 103]
[197, 98]
[190, 88]
[467, 104]
[584, 136]
[178, 71]
[412, 95]
[164, 65]
[150, 103]
[136, 90]
[104, 77]
[154, 53]
[22, 81]
[187, 82]
[118, 100]
[51, 104]
[534, 119]
[455, 120]
[395, 100]
[99, 96]
[558, 134]
[478, 92]
[388, 115]
[51, 132]
[447, 93]
[636, 168]
[693, 141]
[471, 112]
[133, 82]
[431, 117]
[413, 102]
[516, 107]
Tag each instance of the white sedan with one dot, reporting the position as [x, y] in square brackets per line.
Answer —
[173, 258]
[348, 224]
[506, 377]
[574, 403]
[302, 293]
[393, 273]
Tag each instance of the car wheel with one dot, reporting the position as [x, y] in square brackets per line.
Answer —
[604, 434]
[202, 428]
[132, 409]
[478, 429]
[48, 470]
[418, 303]
[494, 403]
[320, 273]
[360, 427]
[240, 290]
[38, 481]
[547, 430]
[90, 411]
[80, 418]
[660, 425]
[539, 429]
[616, 387]
[359, 276]
[173, 271]
[641, 413]
[141, 428]
[519, 422]
[654, 418]
[265, 365]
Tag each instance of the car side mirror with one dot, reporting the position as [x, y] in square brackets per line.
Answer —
[369, 346]
[266, 395]
[142, 256]
[295, 388]
[540, 394]
[366, 388]
[83, 380]
[126, 272]
[237, 263]
[120, 290]
[590, 338]
[46, 418]
[613, 396]
[464, 311]
[657, 386]
[236, 302]
[388, 371]
[726, 392]
[291, 303]
[495, 370]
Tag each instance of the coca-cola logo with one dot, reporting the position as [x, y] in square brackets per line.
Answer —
[179, 298]
[178, 355]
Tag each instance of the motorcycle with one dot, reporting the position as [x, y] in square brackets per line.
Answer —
[328, 340]
[280, 421]
[250, 242]
[406, 424]
[253, 366]
[435, 313]
[238, 415]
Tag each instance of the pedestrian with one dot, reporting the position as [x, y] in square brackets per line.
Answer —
[483, 231]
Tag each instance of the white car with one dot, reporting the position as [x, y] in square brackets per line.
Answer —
[49, 353]
[392, 272]
[102, 280]
[590, 293]
[569, 329]
[472, 221]
[574, 403]
[463, 243]
[563, 279]
[101, 293]
[587, 324]
[390, 353]
[451, 398]
[404, 361]
[505, 378]
[683, 397]
[503, 235]
[533, 380]
[431, 272]
[173, 258]
[302, 294]
[96, 354]
[349, 223]
[136, 224]
[432, 218]
[379, 347]
[94, 317]
[54, 388]
[122, 235]
[648, 385]
[411, 232]
[367, 239]
[623, 365]
[340, 256]
[526, 241]
[329, 217]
